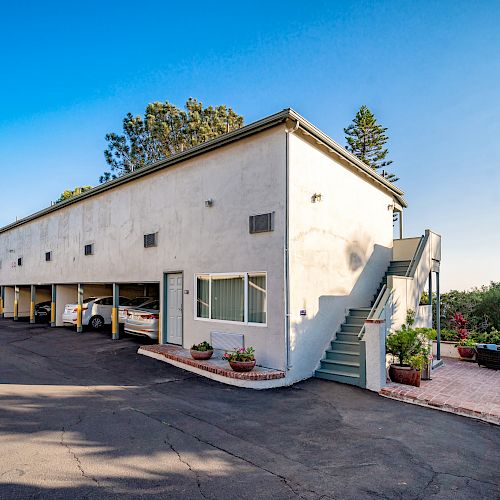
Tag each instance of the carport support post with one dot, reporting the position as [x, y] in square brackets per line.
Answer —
[32, 304]
[115, 325]
[79, 309]
[1, 300]
[53, 307]
[16, 303]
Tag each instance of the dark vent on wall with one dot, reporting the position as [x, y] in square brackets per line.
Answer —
[149, 240]
[48, 256]
[89, 249]
[20, 261]
[262, 223]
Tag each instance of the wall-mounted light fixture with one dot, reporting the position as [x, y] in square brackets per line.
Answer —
[316, 197]
[390, 207]
[209, 203]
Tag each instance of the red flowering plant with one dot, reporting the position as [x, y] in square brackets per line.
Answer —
[460, 326]
[241, 354]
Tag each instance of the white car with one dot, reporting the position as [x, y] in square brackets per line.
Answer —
[137, 302]
[144, 321]
[96, 311]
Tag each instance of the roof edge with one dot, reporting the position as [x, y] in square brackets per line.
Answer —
[222, 140]
[340, 150]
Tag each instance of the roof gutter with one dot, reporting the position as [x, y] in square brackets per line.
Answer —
[218, 142]
[315, 132]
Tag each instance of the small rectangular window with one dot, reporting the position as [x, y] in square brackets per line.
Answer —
[89, 249]
[262, 223]
[149, 240]
[20, 261]
[48, 256]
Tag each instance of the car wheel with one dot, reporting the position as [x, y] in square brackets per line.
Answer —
[96, 322]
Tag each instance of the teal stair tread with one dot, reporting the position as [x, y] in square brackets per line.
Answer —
[335, 362]
[348, 353]
[337, 372]
[346, 342]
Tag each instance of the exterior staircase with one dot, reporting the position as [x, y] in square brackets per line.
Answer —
[343, 361]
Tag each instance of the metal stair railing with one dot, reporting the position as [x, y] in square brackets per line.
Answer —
[376, 310]
[410, 272]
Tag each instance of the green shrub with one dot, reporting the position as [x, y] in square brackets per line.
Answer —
[409, 346]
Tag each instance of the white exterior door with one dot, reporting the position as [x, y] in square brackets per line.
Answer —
[174, 308]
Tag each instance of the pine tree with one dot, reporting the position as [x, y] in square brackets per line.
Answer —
[366, 139]
[164, 131]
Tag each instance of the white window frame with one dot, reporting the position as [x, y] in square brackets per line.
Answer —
[243, 275]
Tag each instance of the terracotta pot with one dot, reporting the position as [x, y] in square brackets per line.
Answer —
[404, 375]
[242, 366]
[201, 354]
[466, 352]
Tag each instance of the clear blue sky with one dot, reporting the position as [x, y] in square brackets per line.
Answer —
[429, 70]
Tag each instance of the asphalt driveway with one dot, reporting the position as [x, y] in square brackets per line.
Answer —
[82, 416]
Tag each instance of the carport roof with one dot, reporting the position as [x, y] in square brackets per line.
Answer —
[298, 123]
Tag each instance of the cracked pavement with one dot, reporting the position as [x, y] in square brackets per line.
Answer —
[82, 416]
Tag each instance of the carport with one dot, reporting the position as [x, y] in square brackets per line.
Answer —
[8, 301]
[77, 293]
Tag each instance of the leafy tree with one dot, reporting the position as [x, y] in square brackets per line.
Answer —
[164, 131]
[480, 307]
[366, 139]
[66, 195]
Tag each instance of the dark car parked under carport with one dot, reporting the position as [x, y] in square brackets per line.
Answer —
[42, 312]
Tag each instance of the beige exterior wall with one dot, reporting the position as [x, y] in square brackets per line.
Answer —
[244, 178]
[339, 248]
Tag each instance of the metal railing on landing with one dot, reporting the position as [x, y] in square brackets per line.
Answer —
[410, 272]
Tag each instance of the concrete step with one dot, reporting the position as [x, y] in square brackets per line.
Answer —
[344, 328]
[400, 263]
[343, 345]
[350, 367]
[340, 355]
[337, 376]
[360, 312]
[354, 320]
[348, 336]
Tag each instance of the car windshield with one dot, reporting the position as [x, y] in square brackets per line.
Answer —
[90, 299]
[153, 305]
[42, 304]
[138, 301]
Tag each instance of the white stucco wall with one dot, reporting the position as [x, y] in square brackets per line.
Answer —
[244, 178]
[339, 248]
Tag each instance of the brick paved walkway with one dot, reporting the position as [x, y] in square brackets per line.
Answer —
[214, 365]
[460, 387]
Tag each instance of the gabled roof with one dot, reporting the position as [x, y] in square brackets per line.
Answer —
[248, 130]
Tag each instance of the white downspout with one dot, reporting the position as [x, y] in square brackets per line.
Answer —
[286, 265]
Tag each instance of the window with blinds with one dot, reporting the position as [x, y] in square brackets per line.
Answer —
[239, 298]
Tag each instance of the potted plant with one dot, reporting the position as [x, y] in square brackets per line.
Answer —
[241, 360]
[203, 350]
[465, 345]
[411, 349]
[466, 348]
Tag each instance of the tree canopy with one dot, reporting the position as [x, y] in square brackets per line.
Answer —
[69, 193]
[366, 139]
[163, 131]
